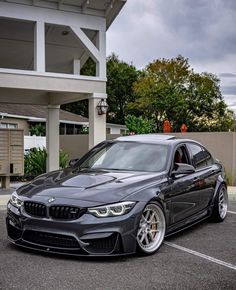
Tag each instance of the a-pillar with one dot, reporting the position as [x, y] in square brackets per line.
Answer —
[52, 137]
[97, 123]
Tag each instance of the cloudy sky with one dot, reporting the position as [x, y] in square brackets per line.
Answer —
[201, 30]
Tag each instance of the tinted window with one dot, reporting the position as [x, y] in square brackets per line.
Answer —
[201, 157]
[129, 156]
[181, 155]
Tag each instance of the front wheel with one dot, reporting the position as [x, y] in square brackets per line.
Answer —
[152, 228]
[220, 205]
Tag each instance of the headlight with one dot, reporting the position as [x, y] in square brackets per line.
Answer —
[115, 209]
[15, 201]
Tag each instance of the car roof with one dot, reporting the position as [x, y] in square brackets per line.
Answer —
[156, 139]
[149, 138]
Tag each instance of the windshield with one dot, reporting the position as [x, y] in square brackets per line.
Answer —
[132, 156]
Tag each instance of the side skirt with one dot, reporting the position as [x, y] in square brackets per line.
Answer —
[189, 222]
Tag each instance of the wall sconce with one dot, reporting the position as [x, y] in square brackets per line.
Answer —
[102, 107]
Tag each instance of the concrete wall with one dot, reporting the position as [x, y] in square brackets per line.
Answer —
[77, 145]
[222, 145]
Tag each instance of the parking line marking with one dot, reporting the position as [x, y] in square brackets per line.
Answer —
[233, 212]
[211, 259]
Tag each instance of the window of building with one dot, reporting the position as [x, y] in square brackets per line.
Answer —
[17, 44]
[69, 129]
[8, 126]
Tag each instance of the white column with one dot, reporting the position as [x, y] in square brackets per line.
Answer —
[39, 47]
[97, 123]
[52, 137]
[101, 45]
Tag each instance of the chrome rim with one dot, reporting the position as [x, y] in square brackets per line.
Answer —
[223, 202]
[152, 227]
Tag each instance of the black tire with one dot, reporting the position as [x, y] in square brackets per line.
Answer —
[220, 204]
[151, 230]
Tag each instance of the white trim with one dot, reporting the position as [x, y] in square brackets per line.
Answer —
[117, 125]
[233, 212]
[22, 117]
[48, 74]
[98, 96]
[35, 119]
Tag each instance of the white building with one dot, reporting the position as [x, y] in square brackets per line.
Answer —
[43, 46]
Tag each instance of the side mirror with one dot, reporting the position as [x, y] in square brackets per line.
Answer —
[182, 168]
[72, 162]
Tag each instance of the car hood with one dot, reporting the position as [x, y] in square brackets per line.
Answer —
[101, 186]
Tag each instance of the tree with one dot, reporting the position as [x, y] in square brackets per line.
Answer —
[81, 107]
[120, 79]
[139, 125]
[170, 89]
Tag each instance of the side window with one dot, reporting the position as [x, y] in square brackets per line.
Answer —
[181, 155]
[208, 157]
[201, 157]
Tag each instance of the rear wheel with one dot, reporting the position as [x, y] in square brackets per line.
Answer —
[152, 228]
[221, 204]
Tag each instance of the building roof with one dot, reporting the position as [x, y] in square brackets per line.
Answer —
[36, 112]
[108, 9]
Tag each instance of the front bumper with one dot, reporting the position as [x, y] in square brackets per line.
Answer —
[86, 236]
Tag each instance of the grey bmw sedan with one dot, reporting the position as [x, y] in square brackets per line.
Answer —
[124, 196]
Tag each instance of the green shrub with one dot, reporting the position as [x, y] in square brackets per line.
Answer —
[139, 125]
[37, 130]
[35, 161]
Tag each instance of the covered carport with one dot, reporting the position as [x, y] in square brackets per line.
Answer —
[44, 44]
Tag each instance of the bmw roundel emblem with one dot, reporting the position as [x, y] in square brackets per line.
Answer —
[51, 199]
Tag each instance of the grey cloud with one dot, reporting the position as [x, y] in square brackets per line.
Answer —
[231, 90]
[201, 30]
[227, 75]
[205, 28]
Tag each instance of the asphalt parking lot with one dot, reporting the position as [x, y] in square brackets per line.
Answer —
[203, 257]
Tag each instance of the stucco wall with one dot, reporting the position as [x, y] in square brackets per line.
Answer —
[77, 145]
[222, 145]
[74, 145]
